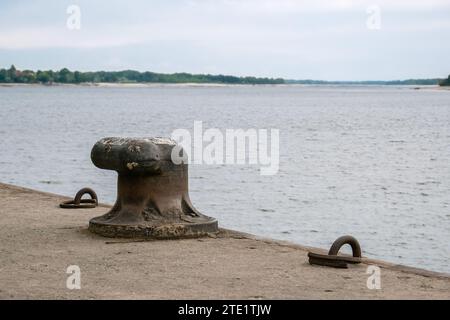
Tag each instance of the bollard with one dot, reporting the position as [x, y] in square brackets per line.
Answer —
[152, 192]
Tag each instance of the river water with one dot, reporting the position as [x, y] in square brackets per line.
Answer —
[373, 162]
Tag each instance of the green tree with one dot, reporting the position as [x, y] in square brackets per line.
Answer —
[65, 76]
[28, 76]
[43, 76]
[445, 82]
[78, 77]
[4, 75]
[12, 73]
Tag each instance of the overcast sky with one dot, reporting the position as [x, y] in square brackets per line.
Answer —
[294, 39]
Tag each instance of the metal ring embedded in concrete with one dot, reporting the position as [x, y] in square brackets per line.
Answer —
[339, 242]
[78, 203]
[332, 259]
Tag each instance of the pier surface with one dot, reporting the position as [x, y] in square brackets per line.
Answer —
[38, 241]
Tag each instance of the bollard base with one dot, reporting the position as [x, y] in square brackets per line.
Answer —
[178, 230]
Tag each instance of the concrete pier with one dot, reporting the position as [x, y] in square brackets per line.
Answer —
[39, 240]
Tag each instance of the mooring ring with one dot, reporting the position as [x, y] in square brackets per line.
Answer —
[339, 242]
[78, 203]
[332, 259]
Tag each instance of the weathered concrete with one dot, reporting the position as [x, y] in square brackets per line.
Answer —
[38, 241]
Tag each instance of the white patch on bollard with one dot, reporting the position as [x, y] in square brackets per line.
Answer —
[74, 280]
[374, 280]
[373, 21]
[74, 19]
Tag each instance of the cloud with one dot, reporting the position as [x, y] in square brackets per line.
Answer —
[261, 37]
[51, 37]
[226, 24]
[299, 6]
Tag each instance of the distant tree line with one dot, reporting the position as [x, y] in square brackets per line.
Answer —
[422, 82]
[12, 75]
[445, 82]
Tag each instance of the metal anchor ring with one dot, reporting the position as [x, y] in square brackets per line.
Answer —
[332, 259]
[78, 203]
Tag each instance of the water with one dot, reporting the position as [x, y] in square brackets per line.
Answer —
[368, 161]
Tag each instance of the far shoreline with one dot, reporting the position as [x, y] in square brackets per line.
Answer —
[206, 84]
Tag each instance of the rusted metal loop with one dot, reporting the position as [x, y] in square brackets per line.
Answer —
[78, 203]
[332, 259]
[84, 191]
[337, 245]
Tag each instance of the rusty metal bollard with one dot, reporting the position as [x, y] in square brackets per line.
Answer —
[152, 192]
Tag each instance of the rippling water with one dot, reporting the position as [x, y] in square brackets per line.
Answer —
[373, 162]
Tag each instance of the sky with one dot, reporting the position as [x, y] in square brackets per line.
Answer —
[292, 39]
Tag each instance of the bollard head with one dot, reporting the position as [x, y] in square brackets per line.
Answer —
[152, 191]
[133, 155]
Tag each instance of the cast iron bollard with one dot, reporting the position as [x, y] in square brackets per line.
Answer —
[152, 192]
